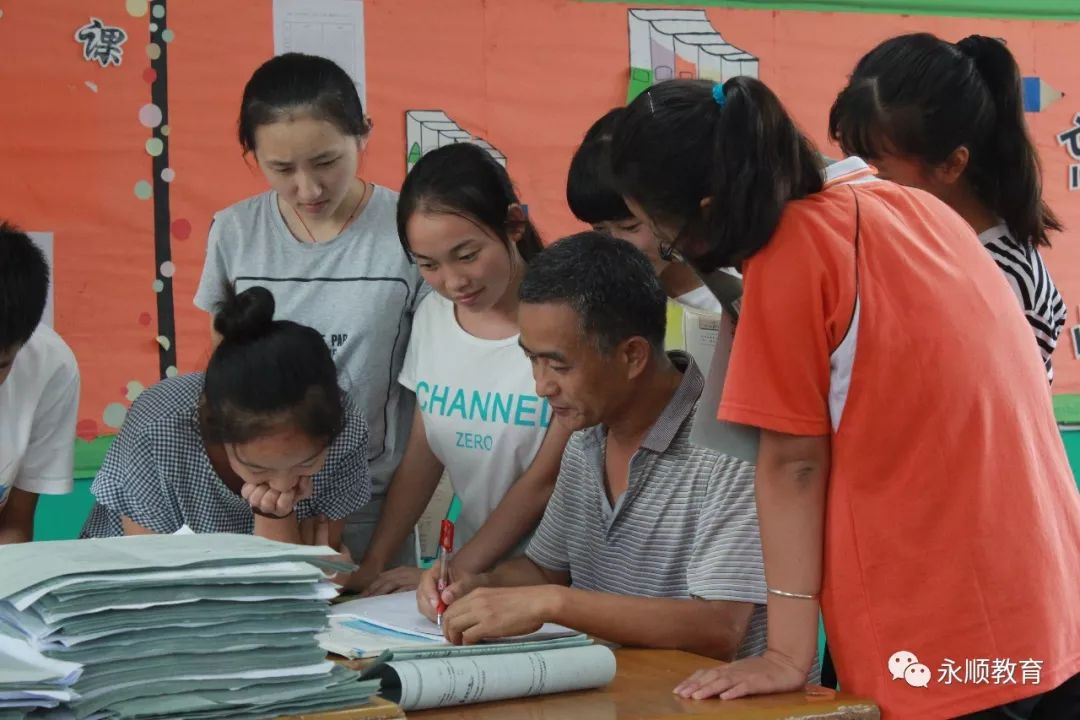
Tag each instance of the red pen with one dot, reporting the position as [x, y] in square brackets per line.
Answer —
[446, 546]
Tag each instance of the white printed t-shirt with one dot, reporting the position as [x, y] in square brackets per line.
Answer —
[482, 417]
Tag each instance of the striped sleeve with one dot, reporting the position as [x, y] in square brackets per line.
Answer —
[1030, 280]
[726, 562]
[549, 545]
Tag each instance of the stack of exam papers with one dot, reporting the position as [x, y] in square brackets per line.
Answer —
[154, 626]
[29, 680]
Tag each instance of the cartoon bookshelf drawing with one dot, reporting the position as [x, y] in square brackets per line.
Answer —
[426, 130]
[666, 44]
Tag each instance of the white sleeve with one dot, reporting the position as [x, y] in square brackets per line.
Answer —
[48, 466]
[215, 273]
[421, 327]
[700, 299]
[407, 376]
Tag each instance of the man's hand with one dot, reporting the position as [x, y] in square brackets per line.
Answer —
[427, 592]
[489, 613]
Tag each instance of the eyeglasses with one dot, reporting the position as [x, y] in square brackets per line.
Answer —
[727, 288]
[669, 249]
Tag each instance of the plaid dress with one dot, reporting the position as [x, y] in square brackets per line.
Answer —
[157, 472]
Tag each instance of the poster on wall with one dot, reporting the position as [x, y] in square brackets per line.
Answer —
[333, 29]
[126, 161]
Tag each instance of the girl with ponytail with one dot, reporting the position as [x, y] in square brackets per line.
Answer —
[264, 442]
[902, 411]
[460, 220]
[949, 119]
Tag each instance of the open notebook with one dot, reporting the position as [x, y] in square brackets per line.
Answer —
[370, 627]
[418, 669]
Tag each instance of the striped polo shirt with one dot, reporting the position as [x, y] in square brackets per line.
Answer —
[1030, 282]
[685, 527]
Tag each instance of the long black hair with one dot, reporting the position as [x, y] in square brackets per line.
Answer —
[591, 190]
[922, 97]
[463, 179]
[266, 373]
[719, 162]
[293, 83]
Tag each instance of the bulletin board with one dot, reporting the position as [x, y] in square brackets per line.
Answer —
[118, 135]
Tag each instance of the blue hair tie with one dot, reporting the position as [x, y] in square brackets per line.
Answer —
[718, 94]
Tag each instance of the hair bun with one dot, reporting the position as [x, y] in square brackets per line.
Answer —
[245, 316]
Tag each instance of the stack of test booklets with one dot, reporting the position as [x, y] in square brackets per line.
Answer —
[418, 669]
[155, 626]
[29, 680]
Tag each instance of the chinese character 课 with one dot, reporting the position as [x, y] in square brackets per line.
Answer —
[102, 43]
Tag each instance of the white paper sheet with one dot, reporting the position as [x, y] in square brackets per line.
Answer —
[21, 663]
[333, 29]
[397, 612]
[350, 636]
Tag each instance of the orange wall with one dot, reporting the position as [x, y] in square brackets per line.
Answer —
[529, 76]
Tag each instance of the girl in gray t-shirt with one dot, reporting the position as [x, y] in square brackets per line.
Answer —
[324, 242]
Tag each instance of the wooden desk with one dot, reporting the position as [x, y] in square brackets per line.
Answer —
[642, 691]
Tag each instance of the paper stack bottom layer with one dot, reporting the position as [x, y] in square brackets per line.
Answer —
[180, 626]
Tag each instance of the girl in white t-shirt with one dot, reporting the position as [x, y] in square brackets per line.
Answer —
[478, 415]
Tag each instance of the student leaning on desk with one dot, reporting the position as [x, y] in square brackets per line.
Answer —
[265, 442]
[647, 540]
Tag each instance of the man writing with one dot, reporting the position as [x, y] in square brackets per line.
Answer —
[647, 540]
